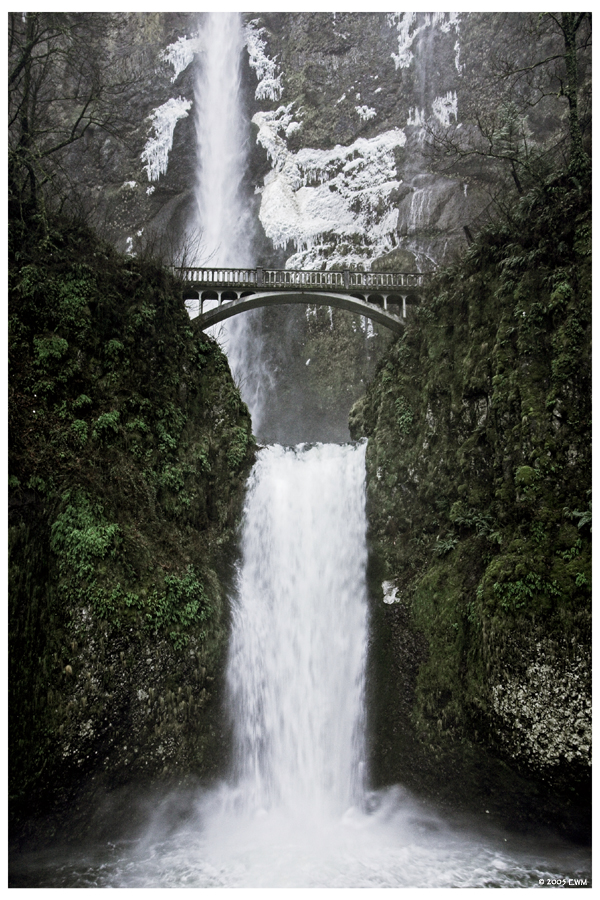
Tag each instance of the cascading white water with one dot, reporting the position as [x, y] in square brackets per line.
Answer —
[295, 811]
[221, 229]
[222, 217]
[296, 668]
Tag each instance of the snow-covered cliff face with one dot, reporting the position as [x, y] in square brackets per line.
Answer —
[343, 130]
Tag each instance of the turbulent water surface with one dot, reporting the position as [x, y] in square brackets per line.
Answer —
[295, 810]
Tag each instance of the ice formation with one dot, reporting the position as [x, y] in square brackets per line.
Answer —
[416, 116]
[408, 27]
[164, 119]
[366, 112]
[269, 82]
[181, 53]
[313, 194]
[445, 107]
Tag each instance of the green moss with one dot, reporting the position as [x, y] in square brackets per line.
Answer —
[479, 457]
[129, 450]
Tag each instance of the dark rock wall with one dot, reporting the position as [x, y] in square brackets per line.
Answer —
[479, 502]
[129, 450]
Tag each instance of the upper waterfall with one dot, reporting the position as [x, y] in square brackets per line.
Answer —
[221, 230]
[221, 225]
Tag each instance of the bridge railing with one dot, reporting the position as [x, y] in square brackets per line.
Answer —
[266, 279]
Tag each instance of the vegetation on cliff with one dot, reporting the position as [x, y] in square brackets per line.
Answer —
[479, 474]
[129, 445]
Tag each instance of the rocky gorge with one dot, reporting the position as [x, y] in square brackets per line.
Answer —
[130, 441]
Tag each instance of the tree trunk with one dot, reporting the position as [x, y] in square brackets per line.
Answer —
[579, 163]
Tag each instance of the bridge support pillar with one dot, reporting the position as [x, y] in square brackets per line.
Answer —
[404, 306]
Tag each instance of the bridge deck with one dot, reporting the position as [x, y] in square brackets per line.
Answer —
[268, 279]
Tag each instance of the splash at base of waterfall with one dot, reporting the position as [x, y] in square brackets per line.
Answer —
[399, 842]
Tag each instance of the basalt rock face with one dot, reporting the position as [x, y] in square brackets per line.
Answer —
[338, 102]
[130, 446]
[479, 486]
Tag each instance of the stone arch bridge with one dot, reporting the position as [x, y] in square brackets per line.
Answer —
[217, 293]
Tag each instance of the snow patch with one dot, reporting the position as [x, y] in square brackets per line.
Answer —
[390, 593]
[157, 149]
[269, 82]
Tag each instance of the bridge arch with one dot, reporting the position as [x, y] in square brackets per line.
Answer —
[261, 299]
[233, 291]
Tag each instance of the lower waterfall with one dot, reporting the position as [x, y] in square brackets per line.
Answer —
[296, 809]
[297, 656]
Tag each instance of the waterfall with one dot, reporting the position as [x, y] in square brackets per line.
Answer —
[221, 228]
[294, 811]
[299, 622]
[221, 213]
[297, 657]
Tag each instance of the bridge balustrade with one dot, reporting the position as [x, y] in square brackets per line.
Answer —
[288, 278]
[376, 295]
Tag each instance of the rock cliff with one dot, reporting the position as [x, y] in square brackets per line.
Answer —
[479, 495]
[129, 450]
